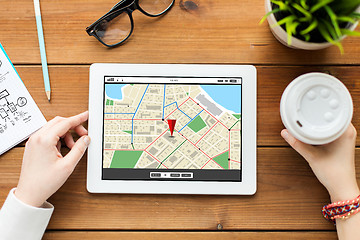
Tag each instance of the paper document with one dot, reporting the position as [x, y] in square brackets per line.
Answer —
[19, 114]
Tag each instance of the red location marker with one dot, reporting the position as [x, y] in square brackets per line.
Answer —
[171, 123]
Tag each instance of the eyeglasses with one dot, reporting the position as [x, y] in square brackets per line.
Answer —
[116, 26]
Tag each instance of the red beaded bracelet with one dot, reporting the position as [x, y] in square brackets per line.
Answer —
[341, 209]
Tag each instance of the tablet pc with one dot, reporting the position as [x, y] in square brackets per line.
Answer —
[172, 129]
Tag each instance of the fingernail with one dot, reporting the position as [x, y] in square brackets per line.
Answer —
[87, 140]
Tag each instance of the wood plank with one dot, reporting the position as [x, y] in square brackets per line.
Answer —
[190, 235]
[212, 32]
[289, 197]
[70, 93]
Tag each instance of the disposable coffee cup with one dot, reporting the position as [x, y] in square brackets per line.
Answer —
[316, 108]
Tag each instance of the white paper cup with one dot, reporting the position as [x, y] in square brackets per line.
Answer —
[316, 108]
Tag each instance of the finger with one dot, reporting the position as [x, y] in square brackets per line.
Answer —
[353, 132]
[69, 141]
[346, 140]
[66, 124]
[350, 133]
[77, 151]
[51, 123]
[58, 146]
[304, 149]
[81, 130]
[54, 121]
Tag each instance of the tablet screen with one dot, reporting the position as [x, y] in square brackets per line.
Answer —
[172, 128]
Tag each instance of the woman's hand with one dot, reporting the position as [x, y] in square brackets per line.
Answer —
[333, 163]
[44, 170]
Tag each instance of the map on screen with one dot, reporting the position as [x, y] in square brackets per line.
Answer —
[172, 126]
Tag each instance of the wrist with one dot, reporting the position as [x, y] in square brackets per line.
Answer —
[28, 198]
[344, 194]
[341, 209]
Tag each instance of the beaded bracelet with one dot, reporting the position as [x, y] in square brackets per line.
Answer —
[341, 209]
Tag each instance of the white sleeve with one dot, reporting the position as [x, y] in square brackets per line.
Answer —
[21, 221]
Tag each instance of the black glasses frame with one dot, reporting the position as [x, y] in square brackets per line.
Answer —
[127, 6]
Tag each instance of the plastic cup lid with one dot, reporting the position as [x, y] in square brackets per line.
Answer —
[316, 108]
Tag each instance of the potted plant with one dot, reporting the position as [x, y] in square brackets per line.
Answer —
[312, 24]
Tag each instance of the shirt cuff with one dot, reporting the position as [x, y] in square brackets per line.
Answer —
[21, 221]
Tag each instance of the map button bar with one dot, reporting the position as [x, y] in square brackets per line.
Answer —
[187, 175]
[175, 175]
[155, 175]
[171, 175]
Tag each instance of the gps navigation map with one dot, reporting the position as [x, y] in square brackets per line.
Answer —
[172, 126]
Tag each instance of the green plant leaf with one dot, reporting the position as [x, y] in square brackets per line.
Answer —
[303, 19]
[350, 33]
[290, 30]
[307, 37]
[327, 37]
[333, 20]
[345, 7]
[304, 5]
[330, 28]
[345, 19]
[268, 14]
[355, 15]
[281, 4]
[311, 27]
[284, 20]
[323, 31]
[289, 33]
[302, 10]
[319, 5]
[293, 27]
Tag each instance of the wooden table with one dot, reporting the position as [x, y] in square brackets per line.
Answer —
[289, 198]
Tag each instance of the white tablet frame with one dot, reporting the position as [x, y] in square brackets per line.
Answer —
[247, 186]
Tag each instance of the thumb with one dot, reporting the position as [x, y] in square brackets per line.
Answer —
[78, 150]
[303, 149]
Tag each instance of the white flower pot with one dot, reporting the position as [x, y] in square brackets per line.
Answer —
[281, 35]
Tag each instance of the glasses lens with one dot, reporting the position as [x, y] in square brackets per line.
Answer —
[114, 28]
[155, 7]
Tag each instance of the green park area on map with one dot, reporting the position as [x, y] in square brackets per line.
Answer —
[238, 116]
[125, 159]
[109, 102]
[197, 124]
[223, 160]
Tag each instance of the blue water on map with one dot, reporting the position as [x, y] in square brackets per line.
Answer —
[228, 96]
[114, 91]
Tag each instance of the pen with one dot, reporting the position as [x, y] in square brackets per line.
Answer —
[42, 48]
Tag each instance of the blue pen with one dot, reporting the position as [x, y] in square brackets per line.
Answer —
[42, 48]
